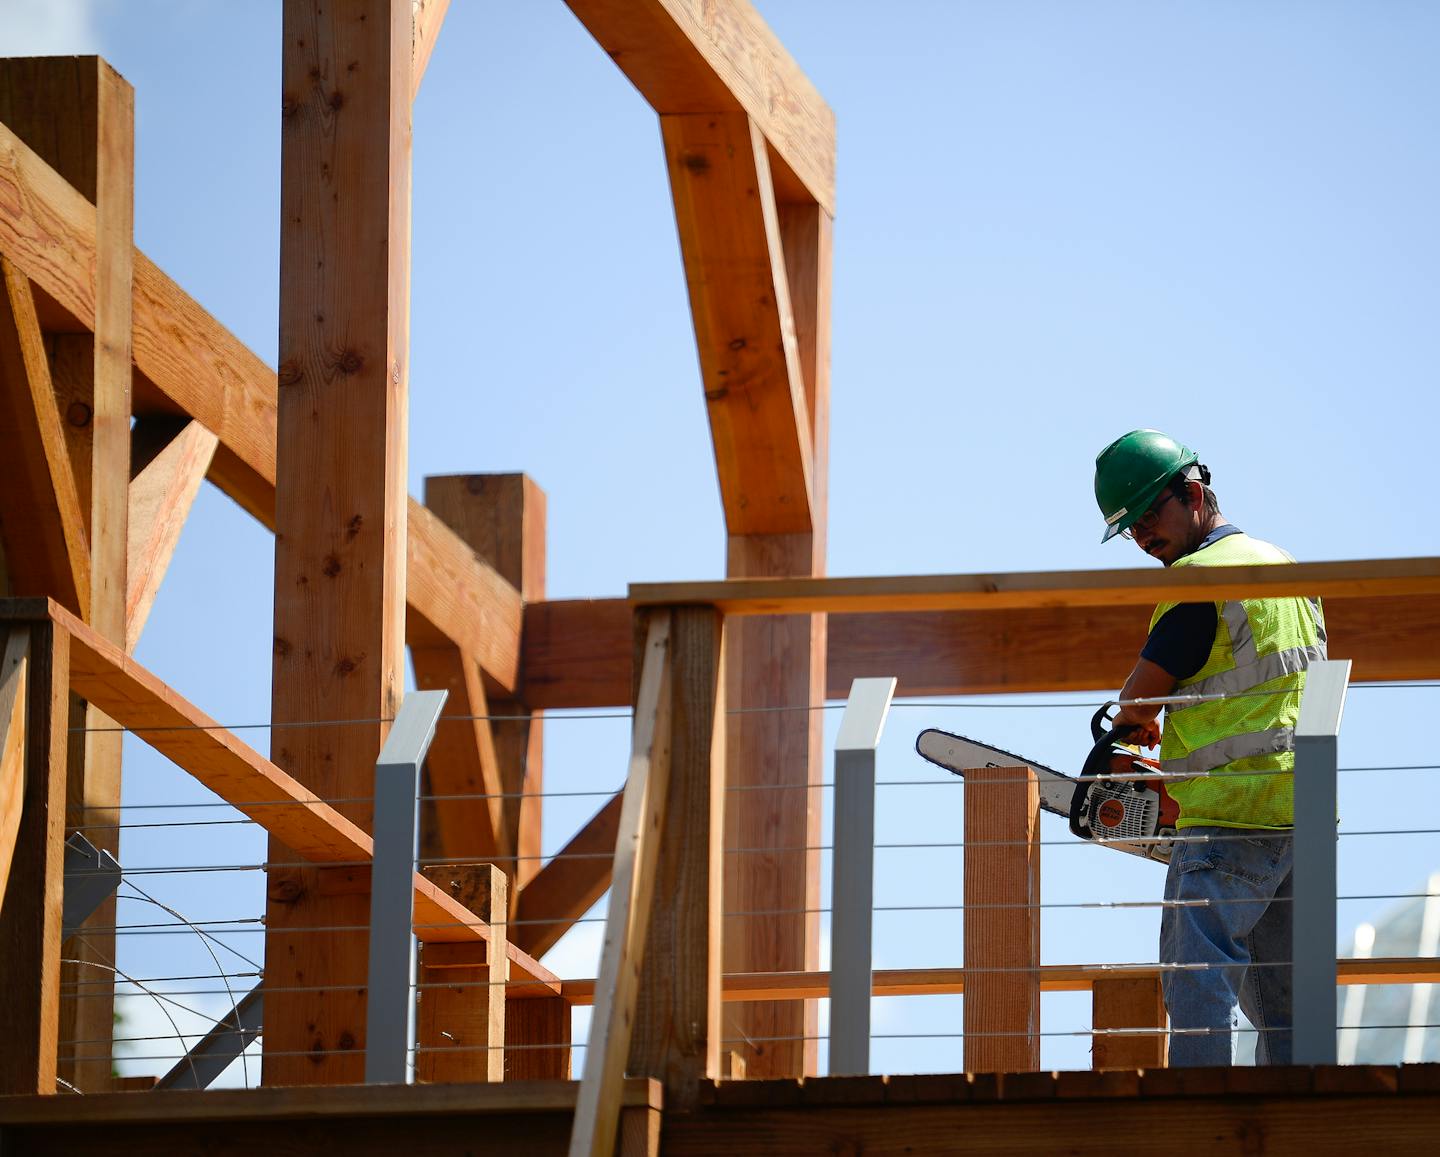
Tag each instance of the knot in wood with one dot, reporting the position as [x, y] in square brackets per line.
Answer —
[78, 414]
[697, 164]
[352, 528]
[282, 646]
[330, 567]
[350, 362]
[288, 373]
[738, 344]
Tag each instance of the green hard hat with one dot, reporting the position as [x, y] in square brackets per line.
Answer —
[1131, 472]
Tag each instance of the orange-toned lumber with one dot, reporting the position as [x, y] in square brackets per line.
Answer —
[1127, 1002]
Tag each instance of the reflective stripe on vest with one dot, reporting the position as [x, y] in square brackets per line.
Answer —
[1231, 748]
[1256, 670]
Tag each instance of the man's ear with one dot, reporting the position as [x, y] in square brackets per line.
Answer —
[1194, 495]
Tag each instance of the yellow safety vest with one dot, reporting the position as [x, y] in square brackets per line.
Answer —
[1261, 651]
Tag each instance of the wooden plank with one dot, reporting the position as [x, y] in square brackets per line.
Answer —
[628, 917]
[1127, 1002]
[42, 522]
[161, 494]
[12, 743]
[574, 655]
[1002, 920]
[707, 56]
[740, 299]
[569, 884]
[461, 762]
[72, 374]
[677, 1027]
[189, 364]
[340, 545]
[460, 1015]
[501, 517]
[1389, 577]
[429, 16]
[537, 1039]
[33, 900]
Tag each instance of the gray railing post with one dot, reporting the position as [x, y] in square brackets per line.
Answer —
[1316, 755]
[389, 1002]
[851, 975]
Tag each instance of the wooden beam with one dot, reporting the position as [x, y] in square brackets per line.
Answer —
[113, 681]
[429, 16]
[718, 56]
[189, 364]
[1387, 577]
[33, 900]
[574, 655]
[740, 298]
[460, 1016]
[501, 517]
[570, 884]
[340, 487]
[1002, 920]
[161, 494]
[628, 917]
[677, 1031]
[12, 743]
[1128, 1002]
[462, 761]
[42, 521]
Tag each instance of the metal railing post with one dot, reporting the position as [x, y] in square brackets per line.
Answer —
[851, 974]
[389, 1002]
[1316, 754]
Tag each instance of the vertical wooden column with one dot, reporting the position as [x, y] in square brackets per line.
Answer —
[1002, 920]
[460, 1026]
[33, 899]
[1128, 1002]
[677, 1014]
[340, 496]
[78, 114]
[501, 517]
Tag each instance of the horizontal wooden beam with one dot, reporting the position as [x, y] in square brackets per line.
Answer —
[191, 365]
[1053, 978]
[103, 675]
[719, 56]
[570, 884]
[577, 654]
[1388, 577]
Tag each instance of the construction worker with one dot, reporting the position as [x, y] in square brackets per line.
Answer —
[1234, 854]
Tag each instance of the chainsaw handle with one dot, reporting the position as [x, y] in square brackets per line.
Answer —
[1096, 763]
[1102, 726]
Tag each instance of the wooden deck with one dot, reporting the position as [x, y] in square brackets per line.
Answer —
[1299, 1110]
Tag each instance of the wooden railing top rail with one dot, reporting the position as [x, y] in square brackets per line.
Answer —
[102, 674]
[1028, 589]
[1053, 978]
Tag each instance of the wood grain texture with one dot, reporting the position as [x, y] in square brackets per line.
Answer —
[161, 494]
[41, 520]
[569, 884]
[1127, 1002]
[1388, 577]
[744, 329]
[1002, 920]
[537, 1039]
[627, 917]
[340, 496]
[14, 649]
[33, 900]
[677, 1028]
[577, 653]
[460, 1010]
[461, 762]
[719, 56]
[773, 768]
[429, 16]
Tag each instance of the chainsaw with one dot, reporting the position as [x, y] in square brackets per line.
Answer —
[1133, 815]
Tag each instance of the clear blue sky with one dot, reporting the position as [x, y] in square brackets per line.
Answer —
[1056, 222]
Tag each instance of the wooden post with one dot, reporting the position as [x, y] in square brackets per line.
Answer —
[501, 517]
[677, 1015]
[340, 498]
[537, 1038]
[1128, 1002]
[460, 1026]
[33, 900]
[78, 114]
[1002, 920]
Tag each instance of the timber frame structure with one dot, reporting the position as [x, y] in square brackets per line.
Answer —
[119, 395]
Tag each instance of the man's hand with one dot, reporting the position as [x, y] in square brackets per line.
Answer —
[1147, 681]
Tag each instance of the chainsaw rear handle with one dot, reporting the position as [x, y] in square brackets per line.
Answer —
[1096, 763]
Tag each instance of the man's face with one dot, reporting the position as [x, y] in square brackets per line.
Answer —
[1166, 531]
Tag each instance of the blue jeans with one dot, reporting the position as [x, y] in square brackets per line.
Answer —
[1242, 936]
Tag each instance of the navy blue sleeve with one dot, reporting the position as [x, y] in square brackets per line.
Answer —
[1181, 641]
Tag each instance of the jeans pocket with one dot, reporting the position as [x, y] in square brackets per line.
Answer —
[1251, 861]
